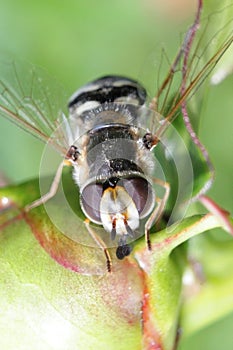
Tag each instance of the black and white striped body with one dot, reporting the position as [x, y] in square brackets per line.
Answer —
[114, 166]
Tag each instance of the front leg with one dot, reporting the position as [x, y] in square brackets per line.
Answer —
[100, 243]
[158, 210]
[71, 159]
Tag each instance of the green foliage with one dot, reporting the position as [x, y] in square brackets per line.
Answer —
[53, 304]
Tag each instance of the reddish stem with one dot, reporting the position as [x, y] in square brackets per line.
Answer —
[190, 36]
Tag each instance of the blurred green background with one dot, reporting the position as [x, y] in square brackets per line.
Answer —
[77, 41]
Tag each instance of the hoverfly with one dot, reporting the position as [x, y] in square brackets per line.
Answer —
[109, 136]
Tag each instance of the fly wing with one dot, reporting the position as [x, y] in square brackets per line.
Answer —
[213, 35]
[33, 101]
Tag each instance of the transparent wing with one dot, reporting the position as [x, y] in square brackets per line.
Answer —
[193, 63]
[32, 100]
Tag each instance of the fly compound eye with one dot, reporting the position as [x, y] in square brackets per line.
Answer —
[141, 192]
[90, 201]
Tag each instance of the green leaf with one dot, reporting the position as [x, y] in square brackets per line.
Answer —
[47, 304]
[211, 298]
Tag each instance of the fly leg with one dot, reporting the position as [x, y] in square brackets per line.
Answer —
[71, 158]
[100, 244]
[158, 210]
[51, 193]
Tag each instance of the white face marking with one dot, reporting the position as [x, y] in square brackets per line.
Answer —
[120, 224]
[117, 206]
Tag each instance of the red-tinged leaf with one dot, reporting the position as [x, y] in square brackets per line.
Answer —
[48, 304]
